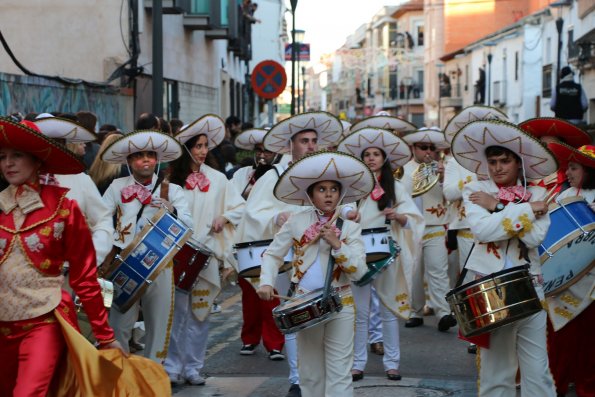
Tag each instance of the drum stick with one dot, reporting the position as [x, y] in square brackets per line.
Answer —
[550, 195]
[283, 297]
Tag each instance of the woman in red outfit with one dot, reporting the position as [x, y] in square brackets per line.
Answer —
[40, 229]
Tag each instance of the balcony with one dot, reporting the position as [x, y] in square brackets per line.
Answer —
[209, 15]
[450, 96]
[168, 6]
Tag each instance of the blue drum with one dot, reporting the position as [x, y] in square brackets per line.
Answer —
[135, 268]
[567, 252]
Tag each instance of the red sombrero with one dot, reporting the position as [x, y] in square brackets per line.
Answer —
[551, 126]
[26, 138]
[585, 155]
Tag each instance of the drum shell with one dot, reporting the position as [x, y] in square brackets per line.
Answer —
[249, 257]
[494, 301]
[376, 243]
[376, 268]
[292, 317]
[188, 263]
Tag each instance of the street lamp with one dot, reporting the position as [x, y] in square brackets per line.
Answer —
[293, 7]
[559, 25]
[303, 89]
[439, 66]
[298, 36]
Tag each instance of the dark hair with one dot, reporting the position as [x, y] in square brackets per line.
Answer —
[589, 179]
[165, 127]
[87, 120]
[310, 189]
[492, 151]
[232, 120]
[180, 169]
[176, 125]
[147, 121]
[387, 182]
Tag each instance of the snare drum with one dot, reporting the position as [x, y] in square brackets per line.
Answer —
[249, 257]
[377, 244]
[135, 268]
[305, 311]
[188, 263]
[375, 268]
[567, 252]
[494, 301]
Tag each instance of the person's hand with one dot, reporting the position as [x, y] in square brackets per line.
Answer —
[158, 202]
[539, 208]
[484, 200]
[354, 216]
[328, 235]
[218, 224]
[114, 345]
[282, 218]
[265, 292]
[392, 215]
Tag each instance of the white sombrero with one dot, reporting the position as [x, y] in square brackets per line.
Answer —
[469, 144]
[210, 125]
[397, 151]
[390, 123]
[355, 177]
[59, 128]
[248, 139]
[327, 127]
[469, 114]
[431, 136]
[166, 147]
[346, 128]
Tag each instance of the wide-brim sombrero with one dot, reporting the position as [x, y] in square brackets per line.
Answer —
[166, 147]
[469, 144]
[210, 125]
[26, 137]
[248, 139]
[585, 155]
[469, 114]
[59, 128]
[327, 127]
[431, 136]
[394, 124]
[397, 150]
[561, 129]
[355, 177]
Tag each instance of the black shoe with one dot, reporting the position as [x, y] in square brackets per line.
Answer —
[414, 322]
[355, 376]
[276, 355]
[394, 376]
[247, 350]
[446, 322]
[294, 391]
[472, 349]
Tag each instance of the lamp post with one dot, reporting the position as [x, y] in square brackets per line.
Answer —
[559, 25]
[293, 7]
[303, 89]
[298, 39]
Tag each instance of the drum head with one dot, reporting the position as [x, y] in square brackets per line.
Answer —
[199, 247]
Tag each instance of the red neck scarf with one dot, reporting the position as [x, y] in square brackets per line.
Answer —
[198, 179]
[512, 194]
[136, 191]
[378, 191]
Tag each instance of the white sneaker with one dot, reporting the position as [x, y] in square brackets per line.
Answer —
[196, 380]
[176, 379]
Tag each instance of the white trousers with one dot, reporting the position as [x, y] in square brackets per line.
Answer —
[188, 343]
[326, 355]
[390, 331]
[157, 307]
[434, 260]
[521, 343]
[375, 325]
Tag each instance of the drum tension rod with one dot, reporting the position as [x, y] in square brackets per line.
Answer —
[571, 217]
[163, 233]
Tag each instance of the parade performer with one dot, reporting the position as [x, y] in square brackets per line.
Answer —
[322, 180]
[133, 200]
[40, 229]
[256, 314]
[393, 124]
[572, 315]
[389, 205]
[265, 214]
[216, 209]
[509, 220]
[433, 261]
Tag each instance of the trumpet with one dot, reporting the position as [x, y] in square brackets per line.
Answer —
[425, 177]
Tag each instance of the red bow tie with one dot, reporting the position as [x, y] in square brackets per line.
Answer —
[377, 193]
[313, 231]
[48, 179]
[198, 179]
[136, 191]
[511, 194]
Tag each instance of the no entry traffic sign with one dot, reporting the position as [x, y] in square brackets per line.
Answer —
[269, 79]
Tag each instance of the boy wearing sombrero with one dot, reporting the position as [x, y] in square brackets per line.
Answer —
[322, 248]
[509, 220]
[133, 200]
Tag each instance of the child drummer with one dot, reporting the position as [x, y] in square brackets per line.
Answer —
[322, 180]
[508, 220]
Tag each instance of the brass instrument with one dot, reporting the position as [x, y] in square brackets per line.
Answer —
[425, 177]
[398, 173]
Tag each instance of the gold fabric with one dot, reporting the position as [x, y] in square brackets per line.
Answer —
[102, 373]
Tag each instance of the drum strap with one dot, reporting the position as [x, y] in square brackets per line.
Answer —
[329, 271]
[464, 270]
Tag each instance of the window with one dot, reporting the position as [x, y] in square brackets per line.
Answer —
[420, 81]
[516, 66]
[420, 35]
[546, 78]
[548, 50]
[466, 77]
[573, 49]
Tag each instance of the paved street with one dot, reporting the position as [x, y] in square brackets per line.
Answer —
[432, 363]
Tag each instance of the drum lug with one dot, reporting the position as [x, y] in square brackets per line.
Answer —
[182, 276]
[547, 252]
[148, 282]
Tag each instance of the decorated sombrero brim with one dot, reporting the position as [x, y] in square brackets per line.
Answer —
[469, 144]
[585, 155]
[248, 139]
[552, 126]
[327, 127]
[210, 125]
[166, 147]
[27, 138]
[59, 128]
[355, 177]
[469, 114]
[394, 124]
[397, 151]
[431, 136]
